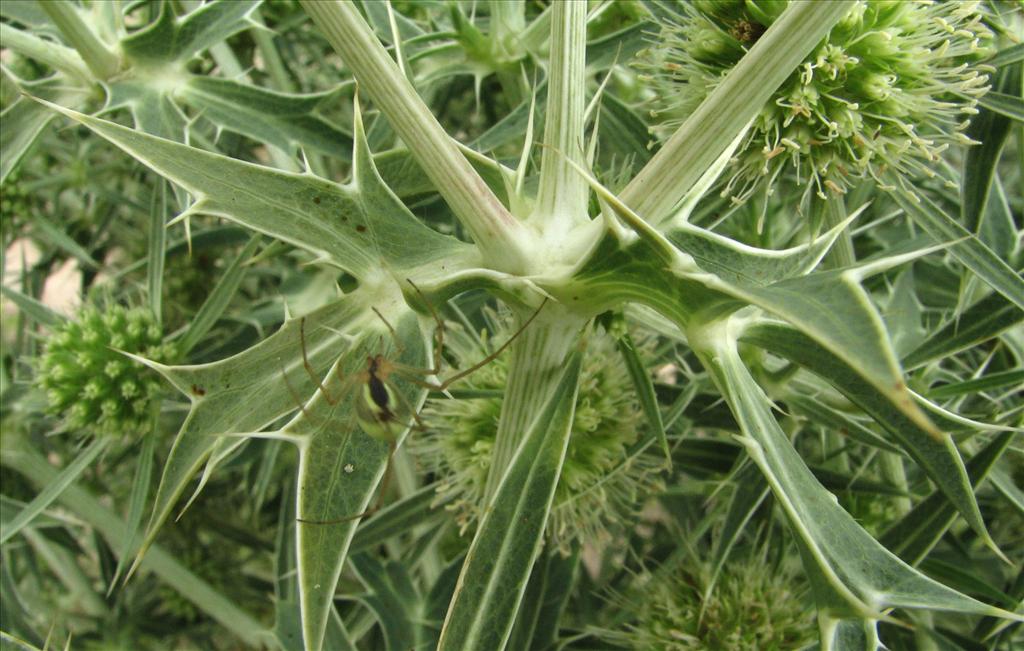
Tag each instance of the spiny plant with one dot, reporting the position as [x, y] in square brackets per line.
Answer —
[766, 227]
[605, 476]
[876, 94]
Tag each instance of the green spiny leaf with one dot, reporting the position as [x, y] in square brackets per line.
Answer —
[920, 529]
[495, 573]
[966, 247]
[340, 465]
[393, 598]
[54, 489]
[244, 393]
[980, 322]
[170, 39]
[935, 454]
[285, 120]
[351, 226]
[852, 574]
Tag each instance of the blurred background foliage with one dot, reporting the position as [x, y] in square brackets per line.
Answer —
[654, 559]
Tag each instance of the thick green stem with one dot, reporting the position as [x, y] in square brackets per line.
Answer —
[502, 239]
[56, 56]
[896, 474]
[692, 149]
[508, 20]
[536, 365]
[562, 198]
[536, 33]
[102, 62]
[834, 212]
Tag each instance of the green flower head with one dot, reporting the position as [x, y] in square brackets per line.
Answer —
[889, 89]
[92, 385]
[750, 606]
[603, 482]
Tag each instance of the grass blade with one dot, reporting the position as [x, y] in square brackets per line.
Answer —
[53, 489]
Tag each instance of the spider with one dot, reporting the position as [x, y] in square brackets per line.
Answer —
[378, 404]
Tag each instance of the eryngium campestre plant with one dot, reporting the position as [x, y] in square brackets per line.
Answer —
[889, 89]
[780, 343]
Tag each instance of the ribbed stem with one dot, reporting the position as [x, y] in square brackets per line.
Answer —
[502, 239]
[537, 360]
[896, 474]
[562, 198]
[834, 212]
[536, 33]
[102, 62]
[56, 56]
[666, 179]
[508, 19]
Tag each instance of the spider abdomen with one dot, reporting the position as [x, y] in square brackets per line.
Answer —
[374, 406]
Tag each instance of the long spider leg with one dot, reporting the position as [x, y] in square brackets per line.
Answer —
[339, 372]
[309, 367]
[490, 358]
[410, 372]
[405, 401]
[394, 335]
[345, 386]
[294, 394]
[438, 331]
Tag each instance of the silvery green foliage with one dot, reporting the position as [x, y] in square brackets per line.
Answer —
[827, 382]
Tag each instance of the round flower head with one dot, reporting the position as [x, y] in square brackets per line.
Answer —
[751, 606]
[93, 385]
[889, 89]
[603, 481]
[16, 201]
